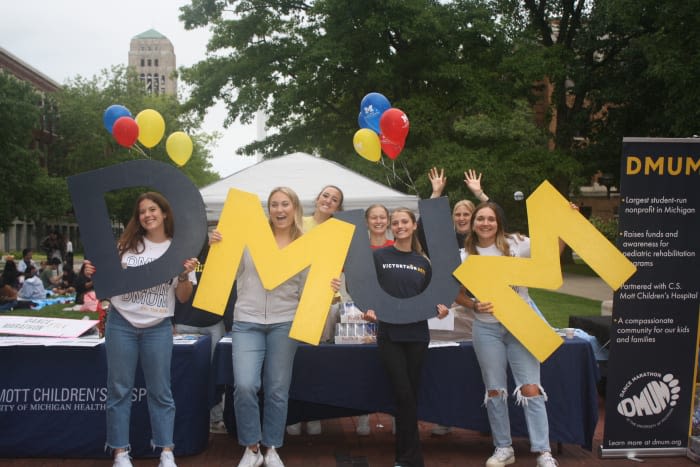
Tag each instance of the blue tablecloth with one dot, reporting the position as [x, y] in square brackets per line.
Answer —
[336, 380]
[52, 401]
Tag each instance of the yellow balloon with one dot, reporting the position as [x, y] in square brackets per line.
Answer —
[367, 144]
[151, 127]
[179, 147]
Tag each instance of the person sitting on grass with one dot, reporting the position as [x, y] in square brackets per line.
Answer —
[32, 287]
[53, 281]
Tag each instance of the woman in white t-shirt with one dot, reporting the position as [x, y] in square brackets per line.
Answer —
[496, 348]
[139, 328]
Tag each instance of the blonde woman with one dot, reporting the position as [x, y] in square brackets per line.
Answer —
[263, 353]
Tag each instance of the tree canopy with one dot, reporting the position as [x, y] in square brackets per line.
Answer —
[27, 192]
[520, 90]
[86, 145]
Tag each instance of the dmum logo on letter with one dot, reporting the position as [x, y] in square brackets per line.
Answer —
[648, 398]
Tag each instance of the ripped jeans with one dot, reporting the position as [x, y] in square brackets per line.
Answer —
[495, 349]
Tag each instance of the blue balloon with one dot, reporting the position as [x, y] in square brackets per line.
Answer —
[112, 114]
[372, 107]
[361, 121]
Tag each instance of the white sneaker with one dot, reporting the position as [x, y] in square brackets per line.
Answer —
[167, 459]
[313, 427]
[218, 427]
[294, 430]
[546, 460]
[272, 459]
[122, 460]
[363, 425]
[440, 430]
[501, 457]
[251, 459]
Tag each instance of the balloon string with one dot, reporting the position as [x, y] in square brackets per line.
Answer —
[139, 149]
[396, 177]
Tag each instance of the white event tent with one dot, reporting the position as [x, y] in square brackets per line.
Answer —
[306, 175]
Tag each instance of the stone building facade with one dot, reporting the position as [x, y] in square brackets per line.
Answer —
[152, 56]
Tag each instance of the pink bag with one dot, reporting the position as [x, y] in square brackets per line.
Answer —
[90, 301]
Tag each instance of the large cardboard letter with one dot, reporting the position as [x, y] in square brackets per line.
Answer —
[361, 276]
[87, 192]
[243, 224]
[550, 216]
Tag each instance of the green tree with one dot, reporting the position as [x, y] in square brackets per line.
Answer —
[86, 145]
[618, 68]
[308, 65]
[26, 192]
[594, 70]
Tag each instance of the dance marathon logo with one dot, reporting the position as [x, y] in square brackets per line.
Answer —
[648, 399]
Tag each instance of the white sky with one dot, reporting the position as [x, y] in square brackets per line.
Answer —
[66, 38]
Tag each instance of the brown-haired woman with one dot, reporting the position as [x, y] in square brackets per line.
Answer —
[138, 329]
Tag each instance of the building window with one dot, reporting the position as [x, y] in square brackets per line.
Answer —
[143, 62]
[149, 62]
[155, 62]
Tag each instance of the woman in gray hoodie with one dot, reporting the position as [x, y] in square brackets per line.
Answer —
[263, 353]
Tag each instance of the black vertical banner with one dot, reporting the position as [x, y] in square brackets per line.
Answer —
[655, 314]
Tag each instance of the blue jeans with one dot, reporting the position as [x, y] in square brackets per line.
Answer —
[495, 349]
[126, 345]
[261, 349]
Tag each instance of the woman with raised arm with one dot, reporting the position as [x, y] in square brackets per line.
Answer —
[139, 329]
[403, 272]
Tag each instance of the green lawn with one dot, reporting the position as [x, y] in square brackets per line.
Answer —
[52, 311]
[556, 307]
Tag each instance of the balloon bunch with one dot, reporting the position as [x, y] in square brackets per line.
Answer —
[382, 128]
[148, 128]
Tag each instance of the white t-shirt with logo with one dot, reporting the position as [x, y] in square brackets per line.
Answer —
[148, 307]
[520, 248]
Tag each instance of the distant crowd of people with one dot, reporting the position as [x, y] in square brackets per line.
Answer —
[24, 280]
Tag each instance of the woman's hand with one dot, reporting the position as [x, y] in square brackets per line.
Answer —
[438, 181]
[483, 307]
[215, 237]
[89, 269]
[442, 311]
[370, 316]
[473, 182]
[190, 265]
[335, 284]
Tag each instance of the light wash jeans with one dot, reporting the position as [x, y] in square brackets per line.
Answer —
[216, 331]
[267, 349]
[495, 349]
[125, 346]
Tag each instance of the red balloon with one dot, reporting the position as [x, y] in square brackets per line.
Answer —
[391, 148]
[394, 125]
[125, 131]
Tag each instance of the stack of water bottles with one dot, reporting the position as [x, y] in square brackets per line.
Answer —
[352, 329]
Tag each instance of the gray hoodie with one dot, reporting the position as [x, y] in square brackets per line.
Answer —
[257, 305]
[32, 289]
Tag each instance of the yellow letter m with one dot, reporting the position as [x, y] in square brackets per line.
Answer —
[243, 224]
